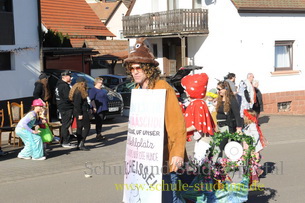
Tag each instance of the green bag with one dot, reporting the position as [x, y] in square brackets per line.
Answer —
[46, 134]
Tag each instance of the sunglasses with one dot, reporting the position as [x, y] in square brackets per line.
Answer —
[132, 69]
[218, 89]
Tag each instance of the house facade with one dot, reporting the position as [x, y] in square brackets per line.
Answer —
[113, 50]
[110, 13]
[76, 21]
[20, 63]
[260, 37]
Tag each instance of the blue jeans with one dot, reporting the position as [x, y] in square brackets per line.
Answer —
[171, 188]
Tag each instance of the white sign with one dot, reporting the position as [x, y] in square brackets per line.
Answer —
[144, 147]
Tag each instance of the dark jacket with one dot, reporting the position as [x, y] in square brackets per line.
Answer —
[258, 106]
[81, 105]
[233, 118]
[99, 99]
[62, 96]
[38, 91]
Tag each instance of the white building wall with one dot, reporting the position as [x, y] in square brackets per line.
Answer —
[19, 82]
[243, 43]
[182, 4]
[115, 24]
[143, 6]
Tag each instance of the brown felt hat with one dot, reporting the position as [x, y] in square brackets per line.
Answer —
[141, 54]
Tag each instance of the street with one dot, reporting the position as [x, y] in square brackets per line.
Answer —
[80, 176]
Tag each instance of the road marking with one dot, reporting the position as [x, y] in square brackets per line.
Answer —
[286, 142]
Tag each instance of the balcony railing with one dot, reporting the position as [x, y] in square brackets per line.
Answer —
[181, 21]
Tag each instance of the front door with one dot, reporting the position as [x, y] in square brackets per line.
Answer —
[171, 55]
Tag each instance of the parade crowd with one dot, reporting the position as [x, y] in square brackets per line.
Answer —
[74, 103]
[229, 107]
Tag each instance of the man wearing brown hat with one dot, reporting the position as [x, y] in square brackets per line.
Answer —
[142, 66]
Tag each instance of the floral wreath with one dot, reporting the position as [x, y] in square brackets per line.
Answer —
[219, 170]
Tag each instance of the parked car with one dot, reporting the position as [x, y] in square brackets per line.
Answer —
[115, 104]
[113, 80]
[125, 87]
[175, 80]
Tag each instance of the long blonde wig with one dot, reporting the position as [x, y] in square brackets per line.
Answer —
[47, 93]
[81, 87]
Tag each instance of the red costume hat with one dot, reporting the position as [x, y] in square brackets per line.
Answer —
[195, 85]
[197, 113]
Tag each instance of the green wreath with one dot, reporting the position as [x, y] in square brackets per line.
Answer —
[208, 168]
[238, 137]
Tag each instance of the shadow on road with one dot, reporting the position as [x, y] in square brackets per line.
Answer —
[263, 196]
[268, 167]
[111, 139]
[263, 119]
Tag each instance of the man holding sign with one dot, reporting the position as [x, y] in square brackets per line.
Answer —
[144, 70]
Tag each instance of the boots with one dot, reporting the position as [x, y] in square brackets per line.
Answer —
[100, 137]
[82, 147]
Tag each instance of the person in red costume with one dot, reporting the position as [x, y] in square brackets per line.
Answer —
[199, 122]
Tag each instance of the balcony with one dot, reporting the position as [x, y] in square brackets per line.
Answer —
[167, 23]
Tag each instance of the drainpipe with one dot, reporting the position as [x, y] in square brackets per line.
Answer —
[83, 62]
[183, 59]
[40, 36]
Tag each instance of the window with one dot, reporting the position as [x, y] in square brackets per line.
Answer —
[6, 6]
[283, 55]
[6, 23]
[197, 4]
[5, 61]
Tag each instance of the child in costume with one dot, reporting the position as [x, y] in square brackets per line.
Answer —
[25, 129]
[211, 103]
[211, 100]
[199, 121]
[252, 129]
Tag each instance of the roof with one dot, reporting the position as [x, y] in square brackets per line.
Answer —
[130, 7]
[68, 51]
[73, 17]
[127, 3]
[104, 10]
[290, 6]
[109, 48]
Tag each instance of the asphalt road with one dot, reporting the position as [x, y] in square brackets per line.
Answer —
[62, 177]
